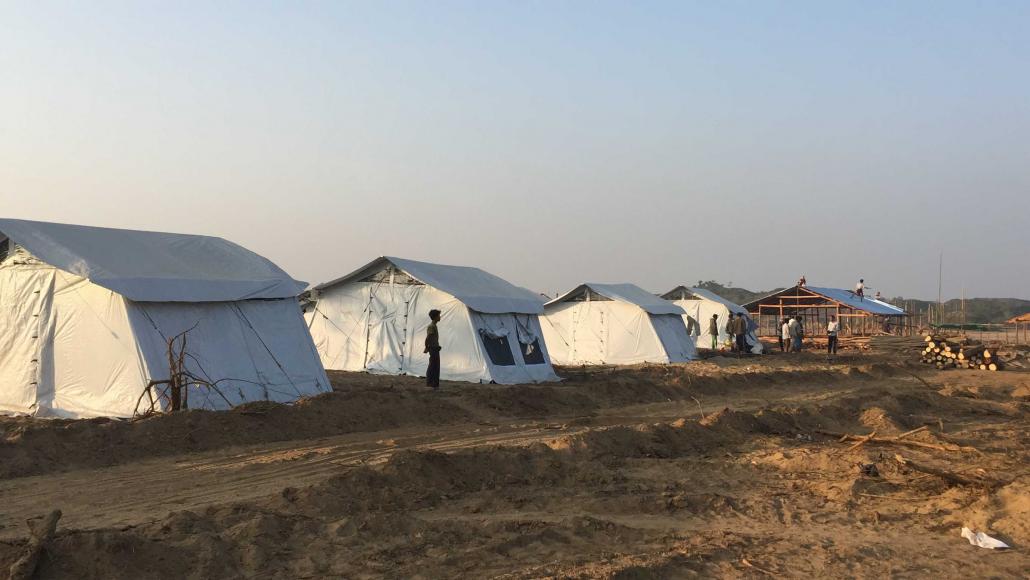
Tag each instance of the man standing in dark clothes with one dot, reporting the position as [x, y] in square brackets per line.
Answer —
[433, 348]
[740, 332]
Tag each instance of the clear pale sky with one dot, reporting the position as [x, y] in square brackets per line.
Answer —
[548, 142]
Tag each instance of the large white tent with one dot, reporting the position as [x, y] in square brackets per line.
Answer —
[86, 315]
[700, 304]
[374, 319]
[615, 324]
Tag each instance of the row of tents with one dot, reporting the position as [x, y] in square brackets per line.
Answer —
[94, 320]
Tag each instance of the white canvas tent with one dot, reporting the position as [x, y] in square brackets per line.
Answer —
[615, 324]
[374, 319]
[700, 304]
[86, 313]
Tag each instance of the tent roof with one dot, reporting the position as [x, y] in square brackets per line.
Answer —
[709, 295]
[479, 290]
[154, 266]
[629, 293]
[845, 297]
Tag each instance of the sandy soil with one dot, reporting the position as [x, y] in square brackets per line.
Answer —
[723, 468]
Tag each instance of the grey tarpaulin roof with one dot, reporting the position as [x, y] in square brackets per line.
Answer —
[709, 295]
[479, 290]
[154, 266]
[630, 293]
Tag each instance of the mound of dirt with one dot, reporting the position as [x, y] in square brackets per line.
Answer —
[725, 496]
[32, 446]
[364, 403]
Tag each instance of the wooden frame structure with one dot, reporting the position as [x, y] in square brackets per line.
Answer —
[857, 316]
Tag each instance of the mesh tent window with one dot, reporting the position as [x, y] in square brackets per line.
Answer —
[680, 293]
[498, 349]
[531, 353]
[391, 274]
[586, 294]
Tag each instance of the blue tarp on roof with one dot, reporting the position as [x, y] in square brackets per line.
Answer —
[848, 297]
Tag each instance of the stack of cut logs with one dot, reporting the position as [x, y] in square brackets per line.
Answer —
[959, 353]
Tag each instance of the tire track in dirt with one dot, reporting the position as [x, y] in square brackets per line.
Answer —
[148, 491]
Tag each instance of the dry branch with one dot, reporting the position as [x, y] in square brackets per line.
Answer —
[745, 562]
[176, 387]
[862, 441]
[898, 441]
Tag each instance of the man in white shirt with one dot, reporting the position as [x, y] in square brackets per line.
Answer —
[794, 326]
[860, 289]
[785, 335]
[832, 328]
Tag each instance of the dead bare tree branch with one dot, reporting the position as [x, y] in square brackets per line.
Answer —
[174, 394]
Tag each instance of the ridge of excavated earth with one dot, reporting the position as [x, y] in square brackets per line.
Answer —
[724, 468]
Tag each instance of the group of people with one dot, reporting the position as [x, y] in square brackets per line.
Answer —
[736, 327]
[860, 289]
[792, 332]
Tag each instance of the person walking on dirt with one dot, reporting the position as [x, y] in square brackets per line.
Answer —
[739, 332]
[729, 332]
[792, 331]
[785, 335]
[832, 328]
[797, 333]
[713, 329]
[433, 348]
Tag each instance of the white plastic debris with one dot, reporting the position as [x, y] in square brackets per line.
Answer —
[983, 540]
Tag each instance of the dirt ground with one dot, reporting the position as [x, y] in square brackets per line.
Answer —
[727, 467]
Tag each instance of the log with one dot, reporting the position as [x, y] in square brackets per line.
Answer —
[25, 567]
[949, 476]
[970, 351]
